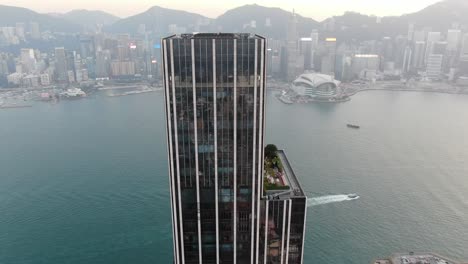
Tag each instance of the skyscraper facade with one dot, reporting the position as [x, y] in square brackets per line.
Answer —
[215, 86]
[215, 101]
[61, 64]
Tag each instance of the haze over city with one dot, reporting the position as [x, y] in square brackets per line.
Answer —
[316, 9]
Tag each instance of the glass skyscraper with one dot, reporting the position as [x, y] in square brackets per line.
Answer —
[215, 91]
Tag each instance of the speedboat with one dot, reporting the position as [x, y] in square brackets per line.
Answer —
[353, 196]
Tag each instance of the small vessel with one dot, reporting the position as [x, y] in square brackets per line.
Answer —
[353, 126]
[353, 196]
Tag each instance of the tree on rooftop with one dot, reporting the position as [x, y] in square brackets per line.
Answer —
[270, 151]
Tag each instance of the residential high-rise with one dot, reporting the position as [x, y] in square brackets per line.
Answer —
[215, 101]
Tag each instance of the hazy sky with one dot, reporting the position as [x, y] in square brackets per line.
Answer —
[317, 9]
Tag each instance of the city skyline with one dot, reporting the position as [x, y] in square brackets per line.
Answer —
[315, 9]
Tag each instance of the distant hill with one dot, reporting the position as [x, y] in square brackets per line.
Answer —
[441, 15]
[269, 21]
[438, 17]
[157, 19]
[10, 15]
[90, 18]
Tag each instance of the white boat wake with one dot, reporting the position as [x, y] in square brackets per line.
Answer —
[331, 199]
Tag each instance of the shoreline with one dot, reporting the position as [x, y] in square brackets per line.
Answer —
[406, 90]
[348, 96]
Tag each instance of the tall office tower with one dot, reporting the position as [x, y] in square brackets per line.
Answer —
[87, 46]
[386, 51]
[215, 90]
[292, 49]
[61, 69]
[464, 47]
[329, 59]
[407, 60]
[410, 32]
[215, 86]
[418, 54]
[463, 64]
[103, 61]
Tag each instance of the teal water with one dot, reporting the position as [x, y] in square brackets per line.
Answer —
[86, 181]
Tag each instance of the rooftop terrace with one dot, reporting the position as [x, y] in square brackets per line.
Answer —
[288, 179]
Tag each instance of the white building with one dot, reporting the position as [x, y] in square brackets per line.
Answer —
[14, 78]
[315, 85]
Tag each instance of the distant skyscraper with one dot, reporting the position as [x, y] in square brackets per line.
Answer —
[418, 54]
[61, 68]
[103, 60]
[87, 47]
[35, 31]
[215, 101]
[28, 61]
[432, 37]
[411, 32]
[292, 49]
[407, 59]
[453, 39]
[20, 30]
[464, 47]
[329, 59]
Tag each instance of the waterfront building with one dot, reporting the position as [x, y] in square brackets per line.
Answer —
[122, 68]
[215, 101]
[284, 227]
[434, 66]
[368, 62]
[315, 86]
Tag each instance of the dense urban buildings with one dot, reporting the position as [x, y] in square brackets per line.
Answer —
[421, 53]
[222, 212]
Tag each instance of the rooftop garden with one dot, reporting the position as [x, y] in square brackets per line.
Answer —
[274, 173]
